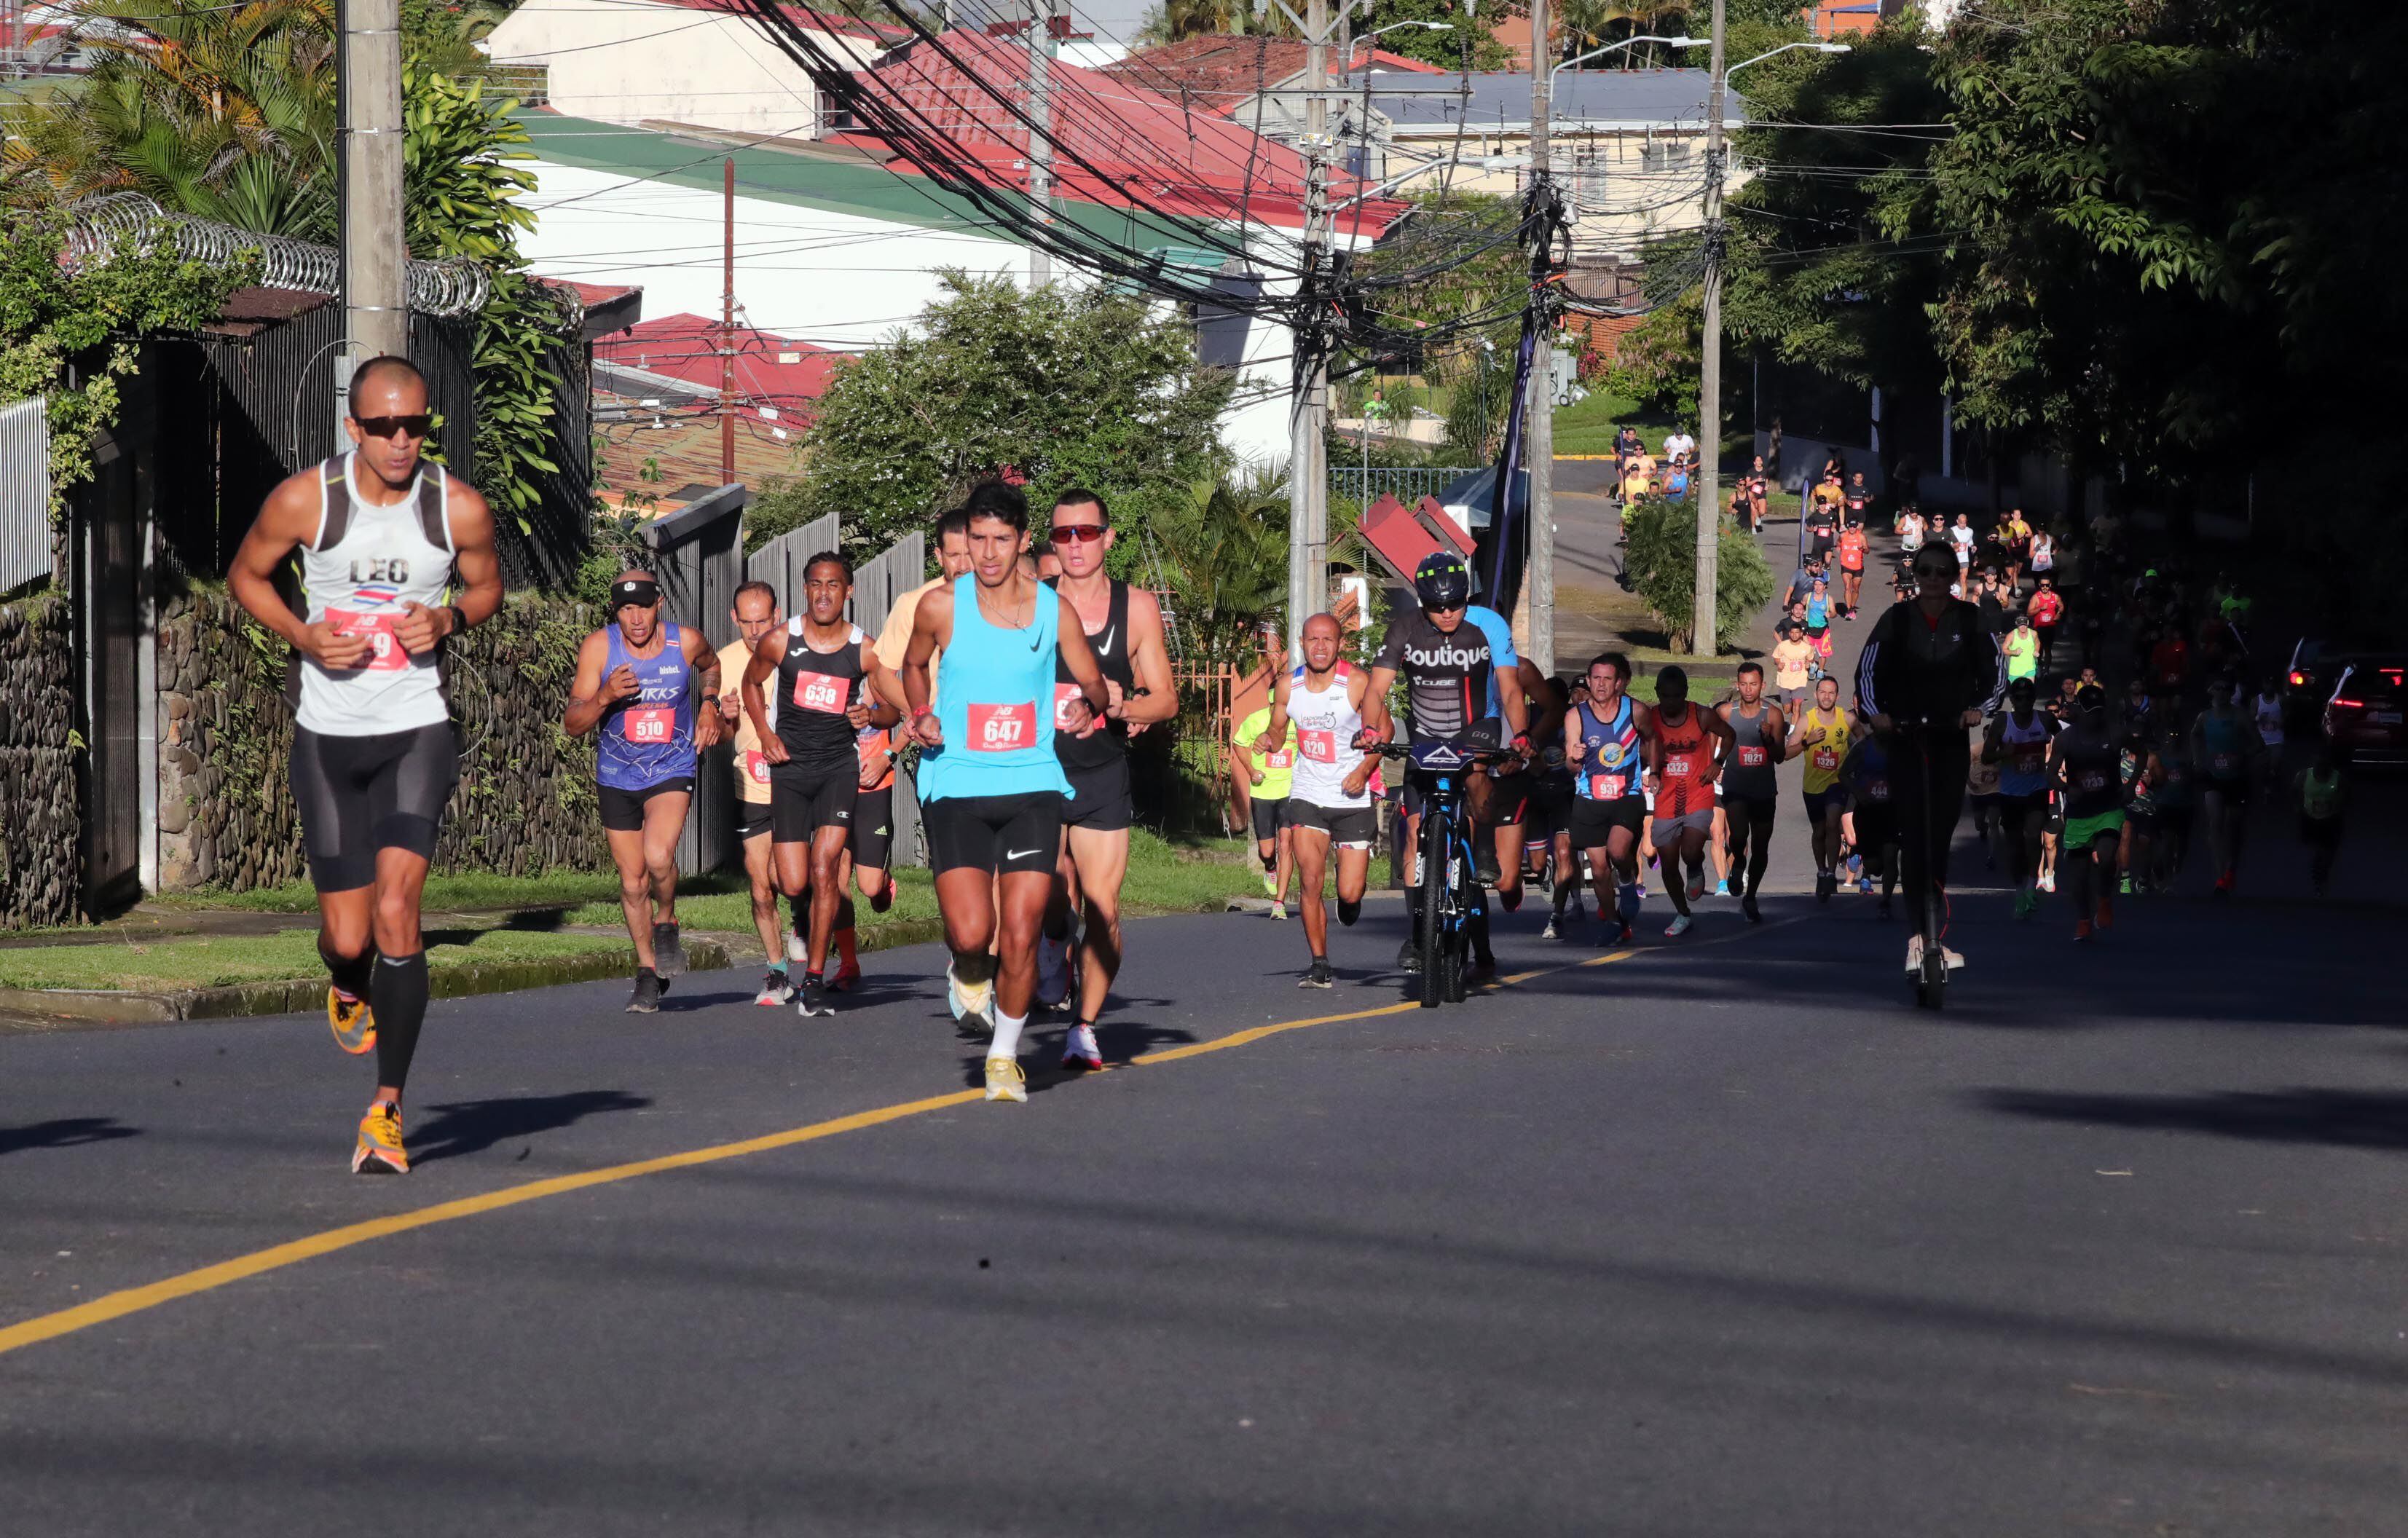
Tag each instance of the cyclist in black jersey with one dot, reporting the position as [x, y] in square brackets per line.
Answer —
[1447, 664]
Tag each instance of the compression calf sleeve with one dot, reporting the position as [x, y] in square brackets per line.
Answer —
[399, 997]
[1349, 912]
[350, 975]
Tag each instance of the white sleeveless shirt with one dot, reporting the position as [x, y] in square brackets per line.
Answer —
[364, 565]
[1325, 724]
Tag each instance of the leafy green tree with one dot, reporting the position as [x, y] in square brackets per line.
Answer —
[1065, 387]
[1661, 560]
[53, 312]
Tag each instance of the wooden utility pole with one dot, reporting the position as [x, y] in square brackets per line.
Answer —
[1541, 410]
[728, 331]
[1041, 152]
[375, 261]
[1710, 366]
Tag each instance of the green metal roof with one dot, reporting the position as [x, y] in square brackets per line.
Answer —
[839, 185]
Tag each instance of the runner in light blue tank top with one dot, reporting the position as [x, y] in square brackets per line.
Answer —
[995, 701]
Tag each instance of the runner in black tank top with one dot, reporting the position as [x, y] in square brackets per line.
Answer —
[1127, 639]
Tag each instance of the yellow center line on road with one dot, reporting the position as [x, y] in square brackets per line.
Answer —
[136, 1299]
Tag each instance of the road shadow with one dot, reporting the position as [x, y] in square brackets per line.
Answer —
[472, 1125]
[2346, 1119]
[686, 1003]
[1040, 1051]
[64, 1132]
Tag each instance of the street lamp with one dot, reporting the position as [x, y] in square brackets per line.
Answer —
[1556, 73]
[1426, 26]
[1819, 48]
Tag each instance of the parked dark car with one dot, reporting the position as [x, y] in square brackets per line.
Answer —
[2365, 716]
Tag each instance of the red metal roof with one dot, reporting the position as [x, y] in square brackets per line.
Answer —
[775, 372]
[1217, 73]
[1191, 163]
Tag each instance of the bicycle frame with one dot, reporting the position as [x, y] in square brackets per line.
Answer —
[1450, 896]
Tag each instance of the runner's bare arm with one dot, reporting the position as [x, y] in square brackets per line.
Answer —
[766, 654]
[705, 663]
[885, 702]
[288, 519]
[1080, 658]
[1575, 745]
[1534, 686]
[1775, 734]
[1150, 664]
[1375, 704]
[932, 627]
[474, 562]
[1515, 709]
[1275, 730]
[590, 695]
[1359, 777]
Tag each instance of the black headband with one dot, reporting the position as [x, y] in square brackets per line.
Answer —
[640, 592]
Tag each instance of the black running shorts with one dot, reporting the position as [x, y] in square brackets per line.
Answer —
[1348, 827]
[1268, 816]
[873, 827]
[622, 811]
[752, 821]
[1100, 797]
[1593, 819]
[999, 834]
[358, 796]
[801, 802]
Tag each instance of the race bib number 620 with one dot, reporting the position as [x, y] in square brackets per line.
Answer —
[1002, 728]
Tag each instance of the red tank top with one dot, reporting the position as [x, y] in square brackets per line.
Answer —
[1688, 766]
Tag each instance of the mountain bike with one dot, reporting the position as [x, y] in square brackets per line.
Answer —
[1450, 895]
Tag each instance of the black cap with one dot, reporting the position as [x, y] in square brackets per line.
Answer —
[642, 591]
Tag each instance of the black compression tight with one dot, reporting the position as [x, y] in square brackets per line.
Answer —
[398, 995]
[2090, 874]
[1751, 840]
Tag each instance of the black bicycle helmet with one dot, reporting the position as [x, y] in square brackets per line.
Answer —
[1443, 581]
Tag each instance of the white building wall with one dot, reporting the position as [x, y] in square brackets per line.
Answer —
[630, 61]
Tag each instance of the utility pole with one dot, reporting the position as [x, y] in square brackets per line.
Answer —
[1308, 492]
[1540, 590]
[1710, 366]
[376, 294]
[1041, 152]
[727, 329]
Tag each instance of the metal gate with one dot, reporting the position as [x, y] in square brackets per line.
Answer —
[780, 561]
[24, 492]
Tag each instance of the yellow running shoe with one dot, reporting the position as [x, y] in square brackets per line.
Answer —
[1005, 1081]
[353, 1021]
[380, 1152]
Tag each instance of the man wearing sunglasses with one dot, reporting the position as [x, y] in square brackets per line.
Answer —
[1124, 628]
[381, 538]
[635, 681]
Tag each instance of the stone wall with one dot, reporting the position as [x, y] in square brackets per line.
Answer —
[40, 857]
[525, 803]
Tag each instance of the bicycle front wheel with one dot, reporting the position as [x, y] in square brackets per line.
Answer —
[1438, 845]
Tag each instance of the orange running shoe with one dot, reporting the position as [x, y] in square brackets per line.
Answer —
[353, 1021]
[2081, 929]
[380, 1152]
[2106, 913]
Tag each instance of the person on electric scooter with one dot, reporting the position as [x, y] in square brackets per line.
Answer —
[1930, 669]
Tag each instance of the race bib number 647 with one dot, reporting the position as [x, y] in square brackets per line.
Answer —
[1002, 728]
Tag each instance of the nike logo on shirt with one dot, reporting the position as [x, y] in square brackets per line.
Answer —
[1104, 647]
[1018, 854]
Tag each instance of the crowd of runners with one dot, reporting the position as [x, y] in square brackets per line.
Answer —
[1020, 676]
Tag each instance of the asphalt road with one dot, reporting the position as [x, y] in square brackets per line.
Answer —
[1720, 1238]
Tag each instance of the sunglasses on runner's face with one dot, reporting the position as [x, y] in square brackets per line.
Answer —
[386, 427]
[1077, 533]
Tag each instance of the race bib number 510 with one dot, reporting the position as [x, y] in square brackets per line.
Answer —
[648, 723]
[1002, 728]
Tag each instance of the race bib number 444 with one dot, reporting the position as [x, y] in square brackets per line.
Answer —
[1002, 728]
[386, 653]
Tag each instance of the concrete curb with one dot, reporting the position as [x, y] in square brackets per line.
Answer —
[704, 954]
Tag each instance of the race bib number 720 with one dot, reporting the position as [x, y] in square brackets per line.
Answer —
[386, 653]
[1002, 728]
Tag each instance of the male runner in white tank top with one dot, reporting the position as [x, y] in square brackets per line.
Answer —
[1330, 802]
[381, 535]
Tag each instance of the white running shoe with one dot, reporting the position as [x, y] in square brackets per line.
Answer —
[1079, 1049]
[1548, 932]
[1005, 1081]
[1915, 953]
[1678, 927]
[1954, 961]
[776, 989]
[1053, 971]
[795, 950]
[2048, 882]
